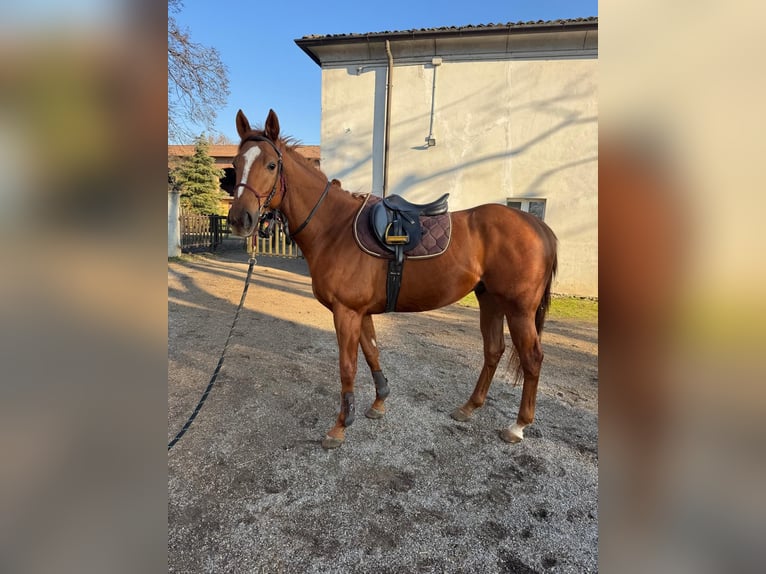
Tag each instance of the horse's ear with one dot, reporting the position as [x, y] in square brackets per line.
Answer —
[243, 126]
[272, 126]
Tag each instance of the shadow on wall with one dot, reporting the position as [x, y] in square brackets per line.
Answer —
[414, 128]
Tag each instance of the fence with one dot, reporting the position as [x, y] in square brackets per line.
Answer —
[211, 232]
[276, 245]
[202, 232]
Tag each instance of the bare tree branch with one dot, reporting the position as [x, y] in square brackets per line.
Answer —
[198, 81]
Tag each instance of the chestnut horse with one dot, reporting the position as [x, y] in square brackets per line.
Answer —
[507, 257]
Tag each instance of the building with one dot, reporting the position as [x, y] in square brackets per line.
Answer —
[502, 113]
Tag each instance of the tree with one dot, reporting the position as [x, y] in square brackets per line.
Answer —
[219, 139]
[199, 181]
[198, 81]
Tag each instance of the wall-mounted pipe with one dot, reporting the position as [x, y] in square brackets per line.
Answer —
[389, 87]
[430, 140]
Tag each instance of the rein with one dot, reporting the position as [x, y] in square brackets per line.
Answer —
[313, 210]
[280, 177]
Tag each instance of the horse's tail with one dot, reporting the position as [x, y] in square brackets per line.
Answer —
[545, 303]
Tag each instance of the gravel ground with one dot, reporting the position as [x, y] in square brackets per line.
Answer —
[251, 490]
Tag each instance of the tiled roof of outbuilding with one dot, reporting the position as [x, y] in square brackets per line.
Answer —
[530, 25]
[229, 150]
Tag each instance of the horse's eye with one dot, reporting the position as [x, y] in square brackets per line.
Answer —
[272, 166]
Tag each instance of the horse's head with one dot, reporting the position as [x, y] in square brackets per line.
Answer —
[259, 174]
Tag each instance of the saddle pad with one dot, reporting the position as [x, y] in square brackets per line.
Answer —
[435, 240]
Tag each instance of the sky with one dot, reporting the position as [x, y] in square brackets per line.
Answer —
[267, 69]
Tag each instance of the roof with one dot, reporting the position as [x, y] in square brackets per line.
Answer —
[478, 28]
[565, 25]
[228, 151]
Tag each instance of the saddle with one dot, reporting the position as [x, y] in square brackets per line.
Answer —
[394, 228]
[396, 222]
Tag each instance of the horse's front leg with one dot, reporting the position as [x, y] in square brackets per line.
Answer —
[372, 355]
[348, 327]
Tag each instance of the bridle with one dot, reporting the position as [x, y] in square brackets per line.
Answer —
[280, 178]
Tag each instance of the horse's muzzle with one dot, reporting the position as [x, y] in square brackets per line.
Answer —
[241, 222]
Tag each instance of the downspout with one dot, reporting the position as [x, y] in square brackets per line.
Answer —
[389, 86]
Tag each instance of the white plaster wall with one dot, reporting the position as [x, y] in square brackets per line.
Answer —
[554, 127]
[503, 128]
[174, 225]
[352, 140]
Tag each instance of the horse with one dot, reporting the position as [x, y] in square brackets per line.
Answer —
[507, 257]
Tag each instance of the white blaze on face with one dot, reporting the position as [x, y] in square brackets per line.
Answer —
[249, 156]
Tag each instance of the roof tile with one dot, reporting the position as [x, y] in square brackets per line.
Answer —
[528, 24]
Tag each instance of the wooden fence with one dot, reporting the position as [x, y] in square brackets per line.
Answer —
[202, 232]
[276, 245]
[211, 233]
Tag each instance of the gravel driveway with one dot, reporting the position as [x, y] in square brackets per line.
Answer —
[251, 490]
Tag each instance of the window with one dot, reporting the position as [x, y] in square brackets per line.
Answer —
[534, 206]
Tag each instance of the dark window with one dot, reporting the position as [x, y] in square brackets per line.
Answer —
[534, 206]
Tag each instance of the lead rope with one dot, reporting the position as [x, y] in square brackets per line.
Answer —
[202, 400]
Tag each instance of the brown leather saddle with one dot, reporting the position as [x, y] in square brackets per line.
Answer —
[395, 229]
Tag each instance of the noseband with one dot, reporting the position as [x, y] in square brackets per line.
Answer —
[280, 175]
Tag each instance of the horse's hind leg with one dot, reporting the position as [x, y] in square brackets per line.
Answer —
[527, 342]
[371, 355]
[491, 320]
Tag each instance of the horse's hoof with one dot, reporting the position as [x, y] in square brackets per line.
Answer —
[372, 413]
[513, 434]
[460, 415]
[329, 442]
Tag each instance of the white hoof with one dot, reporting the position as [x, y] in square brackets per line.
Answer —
[514, 433]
